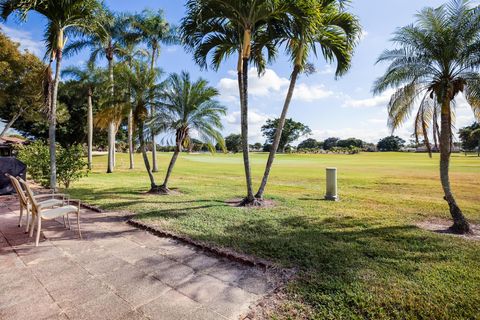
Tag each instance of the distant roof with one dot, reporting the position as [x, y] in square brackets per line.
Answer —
[11, 140]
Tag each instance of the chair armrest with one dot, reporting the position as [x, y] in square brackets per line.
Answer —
[78, 202]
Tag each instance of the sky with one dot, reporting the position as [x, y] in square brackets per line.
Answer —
[343, 107]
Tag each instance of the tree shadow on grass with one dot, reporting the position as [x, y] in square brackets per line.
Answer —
[340, 259]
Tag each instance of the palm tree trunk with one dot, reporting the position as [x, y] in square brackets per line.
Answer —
[111, 129]
[90, 129]
[141, 138]
[10, 124]
[53, 123]
[278, 133]
[130, 138]
[152, 114]
[460, 224]
[154, 144]
[170, 168]
[244, 132]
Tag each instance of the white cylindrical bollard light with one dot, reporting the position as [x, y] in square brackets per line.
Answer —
[331, 193]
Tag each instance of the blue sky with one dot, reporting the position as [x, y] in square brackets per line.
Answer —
[342, 108]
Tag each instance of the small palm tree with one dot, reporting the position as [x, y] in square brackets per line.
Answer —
[242, 27]
[312, 24]
[151, 28]
[189, 107]
[107, 41]
[90, 77]
[64, 18]
[436, 61]
[145, 88]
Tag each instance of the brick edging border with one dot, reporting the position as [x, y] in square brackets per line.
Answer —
[216, 250]
[235, 256]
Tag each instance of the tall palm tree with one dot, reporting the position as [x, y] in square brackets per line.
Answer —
[90, 77]
[151, 28]
[64, 18]
[106, 41]
[436, 60]
[189, 107]
[127, 55]
[226, 28]
[145, 89]
[312, 24]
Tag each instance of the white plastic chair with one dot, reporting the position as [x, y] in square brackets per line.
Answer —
[40, 213]
[24, 203]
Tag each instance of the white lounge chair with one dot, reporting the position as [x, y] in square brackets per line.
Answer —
[40, 213]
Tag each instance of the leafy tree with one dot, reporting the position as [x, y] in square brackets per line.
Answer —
[65, 19]
[391, 143]
[291, 132]
[257, 146]
[20, 84]
[350, 142]
[330, 143]
[309, 25]
[151, 28]
[233, 143]
[468, 137]
[189, 106]
[309, 144]
[219, 29]
[436, 60]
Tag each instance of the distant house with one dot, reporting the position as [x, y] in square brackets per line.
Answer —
[455, 149]
[7, 145]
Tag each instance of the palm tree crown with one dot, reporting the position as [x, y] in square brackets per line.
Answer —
[190, 107]
[65, 18]
[437, 59]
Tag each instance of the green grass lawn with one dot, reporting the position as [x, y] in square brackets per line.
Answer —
[361, 257]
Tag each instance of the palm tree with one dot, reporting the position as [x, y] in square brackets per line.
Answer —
[151, 28]
[145, 89]
[189, 107]
[312, 24]
[127, 54]
[90, 77]
[107, 41]
[226, 28]
[64, 18]
[436, 60]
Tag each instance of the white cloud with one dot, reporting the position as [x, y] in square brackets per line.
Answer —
[256, 120]
[328, 70]
[363, 35]
[306, 93]
[376, 101]
[270, 85]
[463, 112]
[24, 38]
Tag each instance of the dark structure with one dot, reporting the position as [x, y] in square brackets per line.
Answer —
[13, 167]
[7, 145]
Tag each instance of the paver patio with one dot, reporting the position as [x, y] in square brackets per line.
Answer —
[116, 272]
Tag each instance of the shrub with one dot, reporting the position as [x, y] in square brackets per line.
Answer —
[70, 163]
[37, 158]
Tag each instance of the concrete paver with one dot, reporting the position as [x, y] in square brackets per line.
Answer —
[116, 272]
